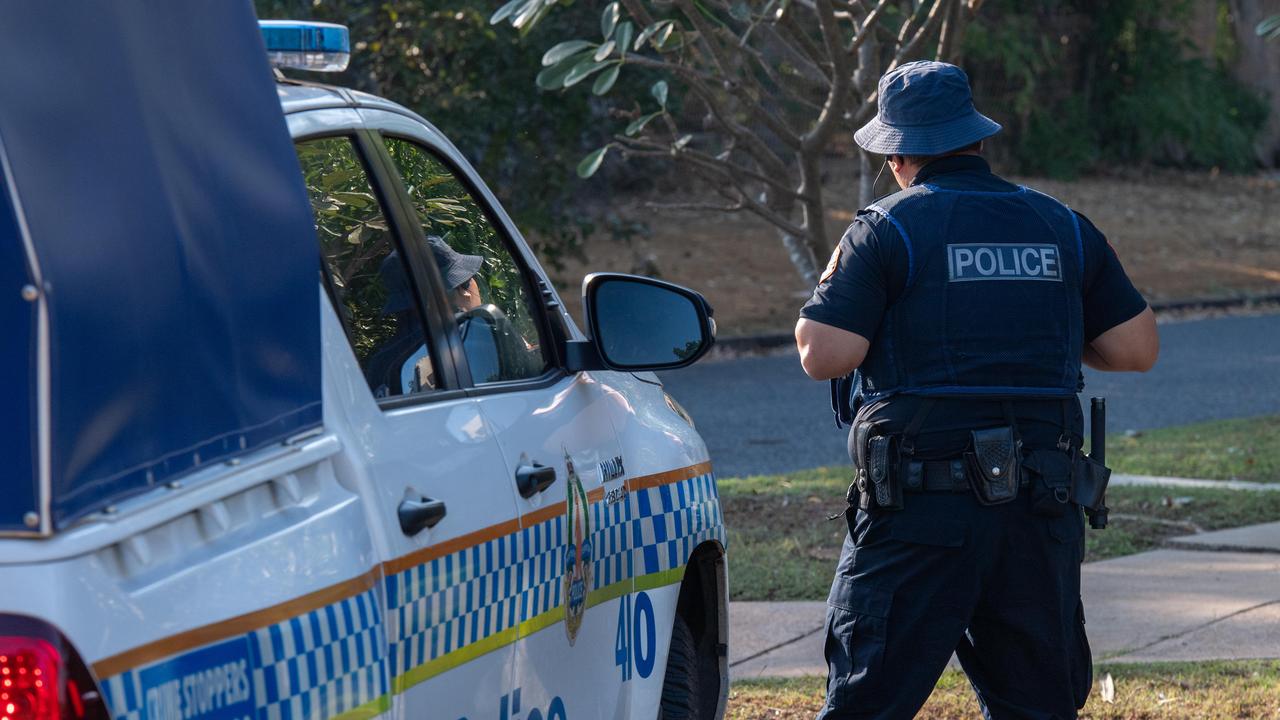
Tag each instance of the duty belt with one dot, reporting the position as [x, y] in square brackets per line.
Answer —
[939, 476]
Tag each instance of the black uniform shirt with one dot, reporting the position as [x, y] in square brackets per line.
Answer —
[870, 273]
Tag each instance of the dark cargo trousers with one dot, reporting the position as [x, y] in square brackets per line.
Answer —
[998, 585]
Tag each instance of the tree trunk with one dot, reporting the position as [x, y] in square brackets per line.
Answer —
[800, 250]
[1259, 68]
[801, 257]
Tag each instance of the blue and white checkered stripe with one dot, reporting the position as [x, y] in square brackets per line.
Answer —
[123, 695]
[674, 519]
[472, 594]
[609, 541]
[323, 663]
[317, 665]
[455, 600]
[543, 549]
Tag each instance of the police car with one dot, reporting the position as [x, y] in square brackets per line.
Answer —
[405, 486]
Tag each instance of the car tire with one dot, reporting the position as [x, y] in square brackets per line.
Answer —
[680, 686]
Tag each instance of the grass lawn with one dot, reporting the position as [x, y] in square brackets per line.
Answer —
[1168, 691]
[1247, 449]
[781, 546]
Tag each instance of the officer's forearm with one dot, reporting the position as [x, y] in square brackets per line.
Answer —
[828, 352]
[1131, 346]
[1096, 361]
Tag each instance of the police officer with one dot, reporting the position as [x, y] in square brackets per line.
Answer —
[967, 304]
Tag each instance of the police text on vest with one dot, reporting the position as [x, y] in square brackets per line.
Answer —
[978, 261]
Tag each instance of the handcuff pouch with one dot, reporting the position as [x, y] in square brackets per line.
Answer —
[994, 464]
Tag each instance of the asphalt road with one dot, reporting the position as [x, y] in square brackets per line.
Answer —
[763, 415]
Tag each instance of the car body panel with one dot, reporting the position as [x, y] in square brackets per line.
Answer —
[290, 576]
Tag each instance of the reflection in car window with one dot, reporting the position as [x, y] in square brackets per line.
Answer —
[366, 276]
[492, 303]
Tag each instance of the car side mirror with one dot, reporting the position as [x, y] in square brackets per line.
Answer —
[638, 323]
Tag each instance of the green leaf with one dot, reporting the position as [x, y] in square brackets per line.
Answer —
[591, 163]
[505, 11]
[623, 36]
[604, 51]
[609, 19]
[1270, 28]
[564, 50]
[659, 91]
[552, 78]
[583, 70]
[650, 32]
[605, 82]
[529, 16]
[665, 36]
[638, 124]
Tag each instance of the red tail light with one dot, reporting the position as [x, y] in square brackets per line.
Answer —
[29, 679]
[42, 677]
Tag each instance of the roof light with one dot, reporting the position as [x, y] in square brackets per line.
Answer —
[314, 46]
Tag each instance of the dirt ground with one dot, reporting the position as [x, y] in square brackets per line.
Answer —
[1180, 236]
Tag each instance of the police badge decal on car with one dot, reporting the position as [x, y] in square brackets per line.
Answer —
[578, 551]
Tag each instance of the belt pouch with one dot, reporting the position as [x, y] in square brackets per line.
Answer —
[1049, 474]
[860, 492]
[1089, 482]
[888, 492]
[995, 464]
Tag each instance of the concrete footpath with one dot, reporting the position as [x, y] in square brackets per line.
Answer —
[1208, 596]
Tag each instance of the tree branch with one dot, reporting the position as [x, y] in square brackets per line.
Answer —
[697, 156]
[935, 16]
[697, 206]
[777, 126]
[762, 153]
[816, 139]
[816, 74]
[868, 27]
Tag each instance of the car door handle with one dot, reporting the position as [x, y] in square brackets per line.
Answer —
[419, 514]
[533, 479]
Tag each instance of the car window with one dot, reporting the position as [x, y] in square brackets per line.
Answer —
[492, 301]
[365, 274]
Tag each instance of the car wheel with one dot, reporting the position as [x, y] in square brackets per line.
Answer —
[680, 687]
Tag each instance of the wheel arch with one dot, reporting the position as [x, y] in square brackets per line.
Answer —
[704, 605]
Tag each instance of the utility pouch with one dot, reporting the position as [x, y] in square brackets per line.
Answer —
[1089, 482]
[1049, 474]
[884, 483]
[859, 491]
[994, 463]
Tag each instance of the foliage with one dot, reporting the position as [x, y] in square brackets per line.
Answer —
[1077, 82]
[1270, 28]
[747, 95]
[445, 62]
[447, 210]
[354, 239]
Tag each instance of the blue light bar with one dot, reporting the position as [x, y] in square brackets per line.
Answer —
[314, 46]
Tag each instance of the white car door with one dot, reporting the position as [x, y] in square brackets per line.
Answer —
[572, 553]
[441, 504]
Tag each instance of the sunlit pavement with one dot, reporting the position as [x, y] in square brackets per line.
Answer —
[1170, 604]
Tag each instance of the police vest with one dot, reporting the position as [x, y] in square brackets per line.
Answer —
[992, 302]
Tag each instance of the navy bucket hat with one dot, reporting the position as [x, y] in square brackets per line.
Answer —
[455, 268]
[925, 108]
